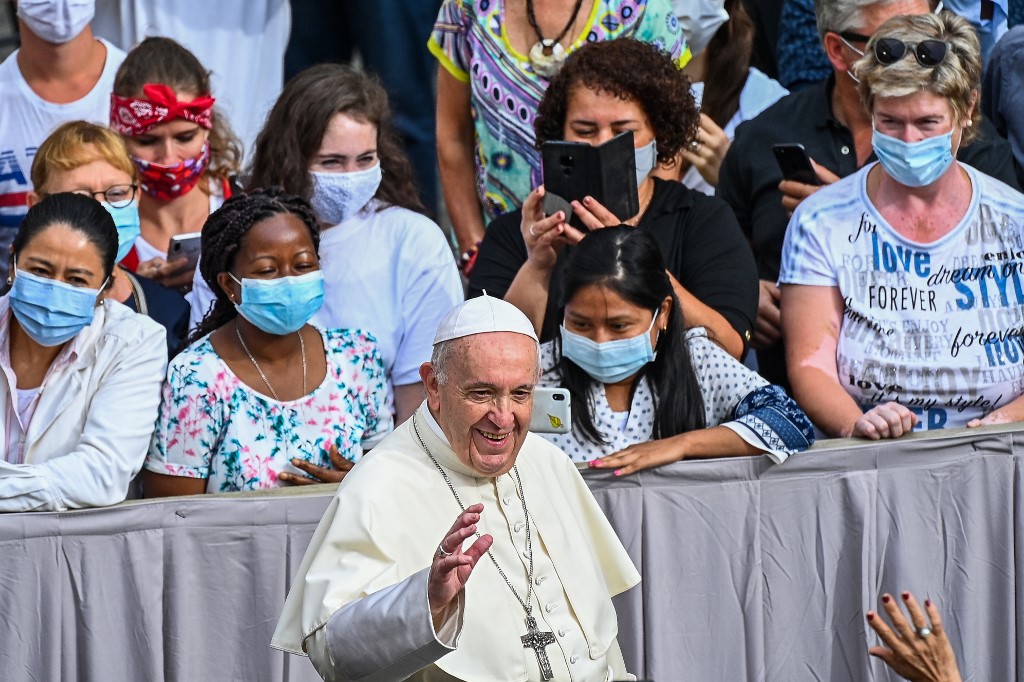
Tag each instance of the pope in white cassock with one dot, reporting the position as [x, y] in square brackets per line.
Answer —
[518, 588]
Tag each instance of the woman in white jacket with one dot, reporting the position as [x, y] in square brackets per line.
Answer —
[81, 374]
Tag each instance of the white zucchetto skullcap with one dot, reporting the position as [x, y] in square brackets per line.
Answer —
[483, 315]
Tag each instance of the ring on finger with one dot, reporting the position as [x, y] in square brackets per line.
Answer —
[532, 232]
[694, 144]
[924, 632]
[441, 552]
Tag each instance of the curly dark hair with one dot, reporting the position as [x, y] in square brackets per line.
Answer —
[222, 237]
[296, 125]
[630, 70]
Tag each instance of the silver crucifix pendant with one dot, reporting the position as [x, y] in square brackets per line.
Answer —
[539, 641]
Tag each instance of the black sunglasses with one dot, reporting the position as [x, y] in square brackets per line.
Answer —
[853, 36]
[927, 52]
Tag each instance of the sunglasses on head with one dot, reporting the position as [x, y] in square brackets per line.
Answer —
[927, 52]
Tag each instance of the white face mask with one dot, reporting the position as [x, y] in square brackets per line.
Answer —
[645, 157]
[339, 196]
[56, 21]
[700, 21]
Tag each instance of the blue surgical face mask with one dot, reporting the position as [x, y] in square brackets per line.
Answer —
[283, 305]
[339, 196]
[126, 219]
[646, 157]
[914, 164]
[612, 361]
[49, 311]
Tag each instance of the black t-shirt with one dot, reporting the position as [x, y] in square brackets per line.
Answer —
[699, 239]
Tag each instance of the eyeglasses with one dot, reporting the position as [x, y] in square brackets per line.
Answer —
[117, 196]
[853, 36]
[927, 52]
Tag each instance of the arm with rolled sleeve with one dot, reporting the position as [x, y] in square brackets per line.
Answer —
[112, 446]
[388, 635]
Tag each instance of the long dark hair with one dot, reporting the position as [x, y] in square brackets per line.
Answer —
[629, 263]
[222, 237]
[296, 125]
[728, 64]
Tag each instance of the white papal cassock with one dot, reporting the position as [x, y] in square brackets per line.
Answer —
[358, 606]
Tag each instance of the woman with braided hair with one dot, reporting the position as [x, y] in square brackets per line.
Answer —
[261, 397]
[387, 268]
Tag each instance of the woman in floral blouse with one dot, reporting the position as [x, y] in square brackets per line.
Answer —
[261, 398]
[645, 390]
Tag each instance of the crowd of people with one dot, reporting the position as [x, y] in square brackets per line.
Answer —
[186, 317]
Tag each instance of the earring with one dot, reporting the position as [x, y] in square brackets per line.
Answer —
[10, 280]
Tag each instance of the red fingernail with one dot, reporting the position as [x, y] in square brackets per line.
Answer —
[927, 602]
[871, 616]
[618, 472]
[885, 599]
[906, 596]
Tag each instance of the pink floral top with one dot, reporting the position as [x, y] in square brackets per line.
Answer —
[212, 425]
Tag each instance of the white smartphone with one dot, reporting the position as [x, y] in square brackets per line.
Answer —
[552, 410]
[185, 246]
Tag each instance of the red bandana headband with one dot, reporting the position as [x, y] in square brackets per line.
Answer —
[130, 116]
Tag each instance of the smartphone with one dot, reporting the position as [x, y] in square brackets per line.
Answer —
[185, 246]
[795, 163]
[607, 172]
[552, 410]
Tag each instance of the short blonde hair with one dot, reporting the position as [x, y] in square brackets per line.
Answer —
[75, 144]
[957, 78]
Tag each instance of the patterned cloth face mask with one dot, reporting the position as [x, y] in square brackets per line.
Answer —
[165, 183]
[339, 196]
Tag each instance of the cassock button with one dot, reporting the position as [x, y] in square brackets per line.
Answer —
[573, 659]
[540, 579]
[519, 527]
[562, 632]
[550, 607]
[507, 500]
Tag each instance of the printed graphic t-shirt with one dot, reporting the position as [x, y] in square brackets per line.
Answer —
[936, 326]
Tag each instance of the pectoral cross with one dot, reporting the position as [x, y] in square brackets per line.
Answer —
[539, 641]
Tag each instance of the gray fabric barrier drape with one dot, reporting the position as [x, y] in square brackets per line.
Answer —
[750, 571]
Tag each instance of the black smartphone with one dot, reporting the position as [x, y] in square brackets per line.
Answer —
[795, 163]
[607, 172]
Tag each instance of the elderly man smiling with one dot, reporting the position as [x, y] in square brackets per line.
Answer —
[518, 588]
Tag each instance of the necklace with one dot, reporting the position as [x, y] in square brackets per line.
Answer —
[302, 351]
[534, 638]
[547, 55]
[635, 220]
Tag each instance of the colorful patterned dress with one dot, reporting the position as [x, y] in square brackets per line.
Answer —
[212, 425]
[470, 41]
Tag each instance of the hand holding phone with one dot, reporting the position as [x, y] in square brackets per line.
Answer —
[795, 163]
[185, 246]
[576, 170]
